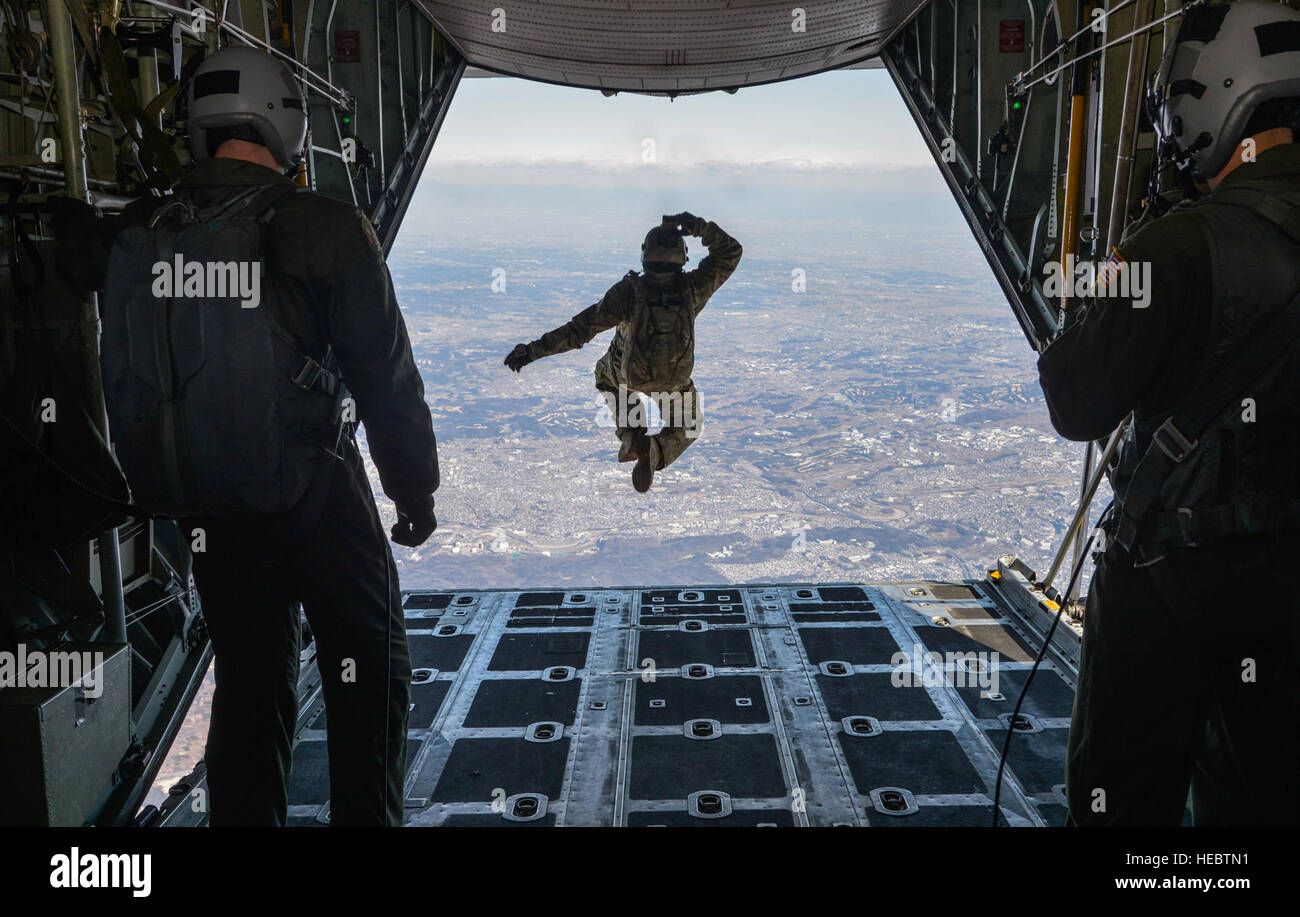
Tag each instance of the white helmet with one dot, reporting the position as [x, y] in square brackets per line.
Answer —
[244, 86]
[1228, 59]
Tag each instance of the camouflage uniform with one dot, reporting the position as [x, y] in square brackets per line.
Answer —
[618, 308]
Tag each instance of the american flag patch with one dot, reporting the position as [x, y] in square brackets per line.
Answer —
[1108, 273]
[371, 236]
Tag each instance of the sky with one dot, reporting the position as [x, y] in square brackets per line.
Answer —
[846, 118]
[838, 146]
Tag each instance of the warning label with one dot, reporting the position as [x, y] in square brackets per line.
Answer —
[1011, 36]
[347, 46]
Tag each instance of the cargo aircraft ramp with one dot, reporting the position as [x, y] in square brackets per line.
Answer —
[784, 705]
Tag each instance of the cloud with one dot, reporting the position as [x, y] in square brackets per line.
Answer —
[739, 166]
[759, 174]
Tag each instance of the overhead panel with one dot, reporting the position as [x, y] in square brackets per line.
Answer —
[667, 46]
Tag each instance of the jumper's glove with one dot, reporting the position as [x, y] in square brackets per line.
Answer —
[690, 224]
[518, 358]
[415, 523]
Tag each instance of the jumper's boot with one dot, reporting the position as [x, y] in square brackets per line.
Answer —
[643, 471]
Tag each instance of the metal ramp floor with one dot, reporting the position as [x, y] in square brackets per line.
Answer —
[783, 705]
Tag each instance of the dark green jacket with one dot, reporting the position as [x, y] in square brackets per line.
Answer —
[1116, 358]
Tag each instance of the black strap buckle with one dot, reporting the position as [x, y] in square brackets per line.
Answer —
[309, 377]
[1179, 446]
[1185, 526]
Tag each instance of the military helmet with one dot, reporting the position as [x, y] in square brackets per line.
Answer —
[241, 85]
[1226, 61]
[663, 245]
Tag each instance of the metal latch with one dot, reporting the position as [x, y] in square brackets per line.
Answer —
[1181, 446]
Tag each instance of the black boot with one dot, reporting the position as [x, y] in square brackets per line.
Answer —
[643, 472]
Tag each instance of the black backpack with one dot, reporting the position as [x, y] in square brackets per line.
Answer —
[212, 406]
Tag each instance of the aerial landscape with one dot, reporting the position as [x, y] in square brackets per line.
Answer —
[885, 422]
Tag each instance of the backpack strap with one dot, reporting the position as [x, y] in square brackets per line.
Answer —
[638, 288]
[313, 375]
[261, 202]
[1202, 524]
[265, 203]
[640, 301]
[1177, 438]
[1284, 216]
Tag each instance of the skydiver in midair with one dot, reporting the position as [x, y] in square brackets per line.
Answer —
[652, 354]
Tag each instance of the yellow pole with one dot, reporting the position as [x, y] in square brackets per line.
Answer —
[1074, 163]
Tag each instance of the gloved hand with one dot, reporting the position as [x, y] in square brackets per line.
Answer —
[415, 523]
[518, 358]
[690, 224]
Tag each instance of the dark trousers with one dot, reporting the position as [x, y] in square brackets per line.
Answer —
[1190, 677]
[331, 555]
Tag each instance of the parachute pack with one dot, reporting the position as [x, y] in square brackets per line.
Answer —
[213, 408]
[659, 348]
